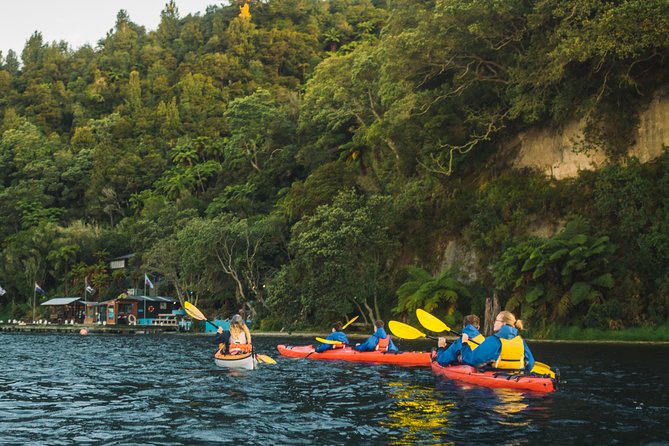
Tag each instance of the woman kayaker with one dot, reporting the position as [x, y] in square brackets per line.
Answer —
[505, 349]
[240, 336]
[239, 332]
[335, 335]
[453, 354]
[380, 340]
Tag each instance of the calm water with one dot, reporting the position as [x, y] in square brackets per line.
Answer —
[165, 390]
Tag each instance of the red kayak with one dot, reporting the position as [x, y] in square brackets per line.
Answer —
[348, 354]
[496, 378]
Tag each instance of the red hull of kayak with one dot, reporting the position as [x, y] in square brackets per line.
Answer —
[348, 354]
[468, 374]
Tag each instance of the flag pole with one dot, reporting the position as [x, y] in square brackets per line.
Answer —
[85, 302]
[145, 297]
[34, 296]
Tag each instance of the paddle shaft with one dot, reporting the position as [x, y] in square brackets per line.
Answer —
[214, 325]
[460, 334]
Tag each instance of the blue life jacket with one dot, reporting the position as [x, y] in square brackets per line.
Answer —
[334, 336]
[446, 356]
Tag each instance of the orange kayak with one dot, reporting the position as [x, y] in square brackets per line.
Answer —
[348, 354]
[495, 378]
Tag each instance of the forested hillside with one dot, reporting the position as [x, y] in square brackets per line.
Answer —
[312, 160]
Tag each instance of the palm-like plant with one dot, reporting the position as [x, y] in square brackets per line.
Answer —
[427, 292]
[552, 278]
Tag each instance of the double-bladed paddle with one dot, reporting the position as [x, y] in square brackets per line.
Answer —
[436, 325]
[331, 342]
[328, 341]
[195, 313]
[406, 331]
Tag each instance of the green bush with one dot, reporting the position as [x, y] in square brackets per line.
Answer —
[601, 315]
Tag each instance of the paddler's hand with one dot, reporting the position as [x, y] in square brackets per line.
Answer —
[441, 342]
[220, 330]
[465, 337]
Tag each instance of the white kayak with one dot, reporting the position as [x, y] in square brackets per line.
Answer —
[246, 361]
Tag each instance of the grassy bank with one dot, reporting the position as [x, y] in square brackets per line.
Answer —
[657, 333]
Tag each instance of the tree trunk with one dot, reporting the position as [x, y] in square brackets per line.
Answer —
[492, 308]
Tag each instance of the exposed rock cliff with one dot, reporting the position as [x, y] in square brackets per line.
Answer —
[556, 151]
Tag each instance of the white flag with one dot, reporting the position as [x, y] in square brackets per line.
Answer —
[147, 281]
[2, 291]
[90, 289]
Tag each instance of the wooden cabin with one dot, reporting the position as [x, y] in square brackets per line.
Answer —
[62, 309]
[132, 310]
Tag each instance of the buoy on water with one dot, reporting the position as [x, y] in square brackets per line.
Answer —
[83, 332]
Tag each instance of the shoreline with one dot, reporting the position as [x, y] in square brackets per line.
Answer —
[172, 330]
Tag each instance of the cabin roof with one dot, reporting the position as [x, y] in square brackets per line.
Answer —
[61, 301]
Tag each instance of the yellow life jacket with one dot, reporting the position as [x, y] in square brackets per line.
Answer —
[475, 341]
[512, 356]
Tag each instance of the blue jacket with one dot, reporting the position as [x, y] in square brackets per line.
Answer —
[370, 344]
[446, 356]
[490, 349]
[334, 336]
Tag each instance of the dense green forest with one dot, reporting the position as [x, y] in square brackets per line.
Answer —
[313, 161]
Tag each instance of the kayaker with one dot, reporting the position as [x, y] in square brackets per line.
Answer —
[239, 332]
[453, 354]
[240, 336]
[335, 335]
[505, 349]
[380, 340]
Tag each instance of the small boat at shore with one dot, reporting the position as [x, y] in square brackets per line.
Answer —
[245, 361]
[349, 354]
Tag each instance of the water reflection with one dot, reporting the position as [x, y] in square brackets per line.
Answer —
[510, 403]
[417, 414]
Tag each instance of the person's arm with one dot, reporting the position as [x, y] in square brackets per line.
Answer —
[368, 345]
[223, 337]
[322, 347]
[446, 356]
[488, 351]
[331, 337]
[529, 358]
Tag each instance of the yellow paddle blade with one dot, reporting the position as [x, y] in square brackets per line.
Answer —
[194, 312]
[405, 331]
[328, 341]
[543, 369]
[266, 359]
[430, 322]
[349, 322]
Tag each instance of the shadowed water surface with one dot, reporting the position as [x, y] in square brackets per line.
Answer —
[63, 389]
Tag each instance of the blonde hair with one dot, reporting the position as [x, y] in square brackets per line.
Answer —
[237, 327]
[508, 318]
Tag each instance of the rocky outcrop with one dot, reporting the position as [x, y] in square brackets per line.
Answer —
[558, 153]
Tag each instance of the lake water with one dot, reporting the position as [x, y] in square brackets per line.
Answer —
[64, 389]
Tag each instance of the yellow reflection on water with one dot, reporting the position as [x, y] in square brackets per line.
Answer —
[417, 414]
[511, 403]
